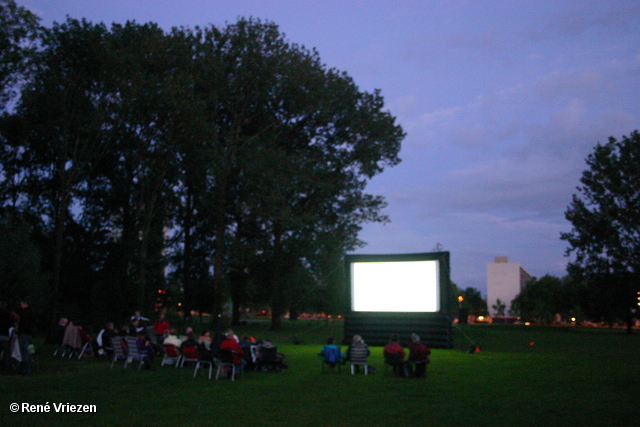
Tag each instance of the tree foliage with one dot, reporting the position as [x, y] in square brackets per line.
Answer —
[605, 216]
[228, 157]
[18, 31]
[471, 300]
[542, 299]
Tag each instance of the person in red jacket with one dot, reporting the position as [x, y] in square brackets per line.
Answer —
[418, 355]
[230, 343]
[161, 328]
[394, 355]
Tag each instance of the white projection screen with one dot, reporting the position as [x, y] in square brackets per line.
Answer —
[395, 286]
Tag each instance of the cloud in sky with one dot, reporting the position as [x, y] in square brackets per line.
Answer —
[501, 101]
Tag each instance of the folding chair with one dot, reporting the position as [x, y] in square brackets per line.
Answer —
[331, 358]
[60, 348]
[171, 353]
[204, 358]
[189, 354]
[394, 360]
[357, 355]
[71, 341]
[225, 361]
[359, 363]
[119, 352]
[86, 348]
[133, 352]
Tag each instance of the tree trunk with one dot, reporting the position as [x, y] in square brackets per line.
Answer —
[218, 258]
[275, 279]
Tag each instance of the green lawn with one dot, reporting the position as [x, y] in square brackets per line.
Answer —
[523, 376]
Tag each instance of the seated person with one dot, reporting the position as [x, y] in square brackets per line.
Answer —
[394, 355]
[103, 340]
[229, 343]
[172, 339]
[250, 349]
[187, 331]
[418, 355]
[358, 351]
[135, 328]
[145, 347]
[189, 342]
[205, 339]
[72, 337]
[230, 332]
[331, 353]
[137, 316]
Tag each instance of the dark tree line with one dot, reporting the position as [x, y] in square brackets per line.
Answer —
[603, 281]
[207, 165]
[605, 238]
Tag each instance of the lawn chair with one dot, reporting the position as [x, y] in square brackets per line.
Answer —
[119, 352]
[225, 362]
[171, 353]
[205, 357]
[134, 353]
[189, 354]
[87, 349]
[71, 342]
[60, 349]
[395, 361]
[360, 361]
[332, 357]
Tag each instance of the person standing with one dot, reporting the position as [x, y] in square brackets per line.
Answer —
[26, 328]
[161, 328]
[7, 321]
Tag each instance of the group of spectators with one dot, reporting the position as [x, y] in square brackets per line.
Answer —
[17, 327]
[394, 354]
[151, 340]
[245, 352]
[16, 331]
[416, 365]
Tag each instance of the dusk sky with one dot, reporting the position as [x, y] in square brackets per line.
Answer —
[501, 100]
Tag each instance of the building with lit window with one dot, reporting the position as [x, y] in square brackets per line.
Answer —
[505, 280]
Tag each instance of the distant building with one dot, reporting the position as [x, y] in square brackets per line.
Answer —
[505, 280]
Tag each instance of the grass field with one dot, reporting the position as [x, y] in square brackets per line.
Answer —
[523, 376]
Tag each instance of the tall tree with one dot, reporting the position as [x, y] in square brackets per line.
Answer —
[605, 216]
[137, 175]
[300, 143]
[56, 128]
